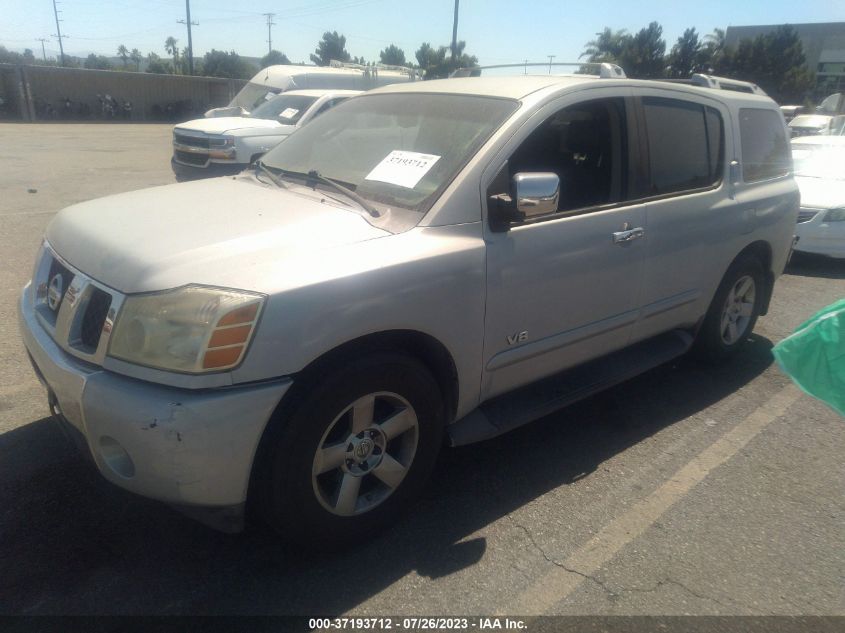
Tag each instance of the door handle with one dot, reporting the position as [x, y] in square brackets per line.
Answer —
[623, 237]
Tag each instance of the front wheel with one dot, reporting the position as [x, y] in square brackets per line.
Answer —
[360, 445]
[733, 311]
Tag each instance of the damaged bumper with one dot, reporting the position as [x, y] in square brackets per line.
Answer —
[191, 448]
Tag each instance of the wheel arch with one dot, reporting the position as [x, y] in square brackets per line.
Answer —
[424, 347]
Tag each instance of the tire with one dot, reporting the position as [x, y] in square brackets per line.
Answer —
[377, 424]
[733, 311]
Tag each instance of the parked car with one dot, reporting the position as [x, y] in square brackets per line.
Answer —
[820, 174]
[274, 80]
[816, 125]
[791, 111]
[226, 145]
[436, 261]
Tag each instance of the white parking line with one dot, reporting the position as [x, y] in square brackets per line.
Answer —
[561, 581]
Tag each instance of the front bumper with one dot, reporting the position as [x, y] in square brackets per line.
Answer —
[183, 447]
[210, 170]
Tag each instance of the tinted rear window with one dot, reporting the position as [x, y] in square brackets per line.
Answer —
[684, 144]
[765, 150]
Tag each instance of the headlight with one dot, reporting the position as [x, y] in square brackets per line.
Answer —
[194, 329]
[834, 215]
[221, 147]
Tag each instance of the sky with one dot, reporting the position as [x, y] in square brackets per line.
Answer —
[496, 31]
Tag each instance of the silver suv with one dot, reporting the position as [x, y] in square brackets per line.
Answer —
[428, 263]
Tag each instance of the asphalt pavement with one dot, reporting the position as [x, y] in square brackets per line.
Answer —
[688, 490]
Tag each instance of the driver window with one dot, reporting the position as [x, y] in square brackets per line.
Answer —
[585, 145]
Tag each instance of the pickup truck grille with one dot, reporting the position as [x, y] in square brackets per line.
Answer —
[192, 141]
[75, 310]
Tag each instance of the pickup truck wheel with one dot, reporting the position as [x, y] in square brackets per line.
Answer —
[733, 311]
[360, 445]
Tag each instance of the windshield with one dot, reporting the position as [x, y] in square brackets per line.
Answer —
[252, 95]
[286, 109]
[819, 161]
[394, 149]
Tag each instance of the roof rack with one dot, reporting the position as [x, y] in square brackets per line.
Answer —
[605, 70]
[334, 63]
[721, 83]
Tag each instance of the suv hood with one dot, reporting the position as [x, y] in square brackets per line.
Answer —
[219, 232]
[226, 124]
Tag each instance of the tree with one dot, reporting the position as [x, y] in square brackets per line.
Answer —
[157, 65]
[438, 63]
[123, 53]
[392, 56]
[608, 46]
[223, 64]
[714, 47]
[359, 60]
[172, 50]
[28, 56]
[97, 62]
[642, 57]
[274, 57]
[775, 61]
[688, 56]
[136, 57]
[332, 46]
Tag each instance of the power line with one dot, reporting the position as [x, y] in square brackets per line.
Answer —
[59, 32]
[270, 25]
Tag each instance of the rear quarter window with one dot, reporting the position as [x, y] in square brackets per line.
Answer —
[765, 149]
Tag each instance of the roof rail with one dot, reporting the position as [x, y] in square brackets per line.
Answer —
[605, 70]
[725, 83]
[335, 63]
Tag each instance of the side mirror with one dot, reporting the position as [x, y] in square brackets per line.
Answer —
[533, 194]
[536, 193]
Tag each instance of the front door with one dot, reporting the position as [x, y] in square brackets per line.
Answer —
[564, 288]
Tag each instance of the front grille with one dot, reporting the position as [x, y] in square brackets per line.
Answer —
[805, 215]
[191, 141]
[192, 159]
[94, 318]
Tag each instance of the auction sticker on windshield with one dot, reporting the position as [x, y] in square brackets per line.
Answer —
[289, 113]
[402, 168]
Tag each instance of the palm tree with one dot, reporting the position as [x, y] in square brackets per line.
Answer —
[123, 53]
[607, 47]
[714, 47]
[172, 49]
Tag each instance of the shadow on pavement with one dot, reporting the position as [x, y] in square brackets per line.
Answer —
[70, 543]
[807, 265]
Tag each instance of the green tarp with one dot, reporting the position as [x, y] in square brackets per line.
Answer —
[814, 355]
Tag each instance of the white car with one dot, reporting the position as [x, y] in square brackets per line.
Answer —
[816, 124]
[224, 146]
[820, 174]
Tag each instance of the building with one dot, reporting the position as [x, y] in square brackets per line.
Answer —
[824, 47]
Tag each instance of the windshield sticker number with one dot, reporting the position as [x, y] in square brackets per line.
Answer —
[404, 169]
[289, 113]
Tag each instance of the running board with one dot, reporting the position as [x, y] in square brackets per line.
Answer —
[531, 402]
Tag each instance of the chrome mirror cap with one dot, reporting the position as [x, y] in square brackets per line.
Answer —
[536, 193]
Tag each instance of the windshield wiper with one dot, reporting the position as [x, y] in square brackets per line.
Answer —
[259, 166]
[315, 175]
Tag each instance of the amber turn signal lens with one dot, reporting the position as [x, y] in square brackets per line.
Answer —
[245, 314]
[223, 357]
[230, 336]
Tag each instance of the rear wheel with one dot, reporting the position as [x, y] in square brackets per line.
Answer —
[733, 311]
[360, 444]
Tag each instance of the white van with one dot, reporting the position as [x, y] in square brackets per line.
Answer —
[339, 76]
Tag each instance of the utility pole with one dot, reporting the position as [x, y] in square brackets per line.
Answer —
[59, 32]
[188, 23]
[43, 52]
[551, 57]
[455, 32]
[270, 25]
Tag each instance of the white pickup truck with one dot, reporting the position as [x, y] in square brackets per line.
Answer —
[226, 145]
